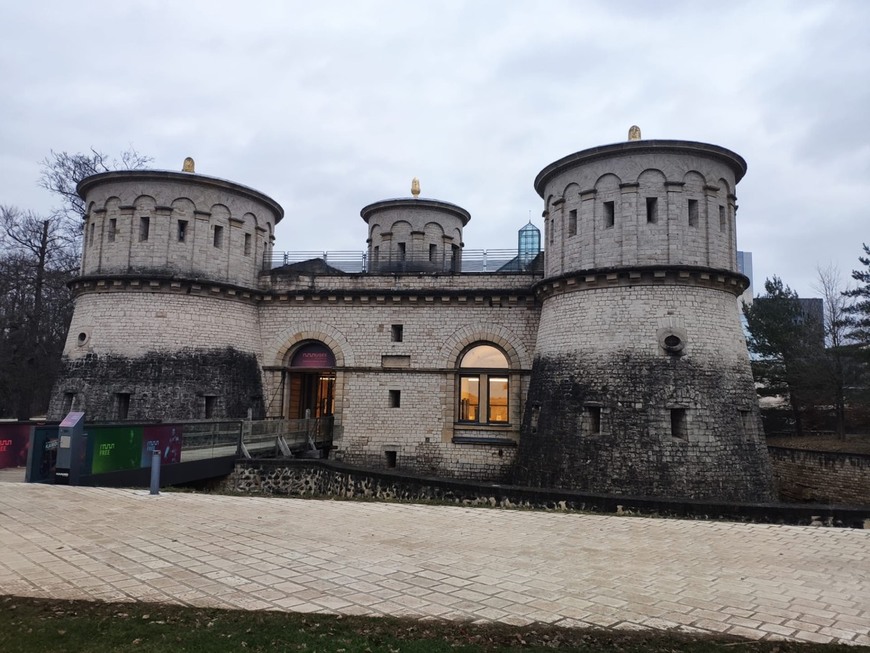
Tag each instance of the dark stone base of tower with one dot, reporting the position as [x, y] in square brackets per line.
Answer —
[630, 425]
[178, 385]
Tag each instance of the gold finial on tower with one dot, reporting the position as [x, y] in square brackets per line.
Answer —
[188, 165]
[634, 133]
[415, 187]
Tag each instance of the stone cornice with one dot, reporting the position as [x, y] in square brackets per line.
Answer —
[652, 275]
[174, 285]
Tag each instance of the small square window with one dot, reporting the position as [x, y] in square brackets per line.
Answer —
[609, 214]
[693, 213]
[218, 236]
[396, 332]
[395, 398]
[144, 228]
[182, 230]
[572, 222]
[247, 244]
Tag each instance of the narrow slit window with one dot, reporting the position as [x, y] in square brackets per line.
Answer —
[693, 213]
[723, 221]
[395, 398]
[433, 253]
[396, 332]
[652, 210]
[122, 405]
[609, 214]
[113, 229]
[593, 419]
[247, 244]
[678, 424]
[218, 237]
[182, 231]
[92, 231]
[572, 222]
[402, 252]
[210, 405]
[144, 228]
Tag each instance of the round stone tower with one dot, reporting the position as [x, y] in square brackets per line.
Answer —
[414, 234]
[165, 321]
[641, 382]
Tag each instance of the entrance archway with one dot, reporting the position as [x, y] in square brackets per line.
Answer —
[311, 382]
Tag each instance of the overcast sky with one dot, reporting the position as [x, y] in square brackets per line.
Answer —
[330, 106]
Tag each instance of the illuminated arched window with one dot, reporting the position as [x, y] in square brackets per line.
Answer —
[483, 386]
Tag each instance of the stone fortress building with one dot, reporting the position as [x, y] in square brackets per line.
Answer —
[612, 362]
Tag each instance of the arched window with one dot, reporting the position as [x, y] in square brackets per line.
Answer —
[483, 386]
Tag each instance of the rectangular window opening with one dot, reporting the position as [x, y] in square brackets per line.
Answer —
[469, 398]
[210, 405]
[69, 402]
[678, 424]
[693, 213]
[593, 419]
[652, 210]
[113, 229]
[395, 398]
[182, 230]
[391, 458]
[572, 222]
[433, 253]
[91, 235]
[218, 236]
[744, 420]
[247, 244]
[609, 214]
[723, 221]
[396, 332]
[122, 405]
[552, 230]
[497, 395]
[144, 228]
[401, 247]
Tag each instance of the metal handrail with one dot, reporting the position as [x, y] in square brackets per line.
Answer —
[474, 261]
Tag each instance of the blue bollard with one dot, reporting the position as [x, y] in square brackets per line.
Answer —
[155, 472]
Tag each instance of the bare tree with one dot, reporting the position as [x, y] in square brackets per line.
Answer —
[830, 286]
[62, 171]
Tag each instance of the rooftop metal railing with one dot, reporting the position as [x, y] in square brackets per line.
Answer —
[468, 261]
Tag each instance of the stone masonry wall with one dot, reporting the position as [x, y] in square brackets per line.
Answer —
[134, 224]
[422, 367]
[166, 385]
[627, 179]
[821, 476]
[605, 394]
[130, 323]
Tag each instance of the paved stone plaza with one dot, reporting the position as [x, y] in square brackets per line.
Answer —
[516, 567]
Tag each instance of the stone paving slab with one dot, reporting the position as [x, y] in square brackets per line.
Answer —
[516, 567]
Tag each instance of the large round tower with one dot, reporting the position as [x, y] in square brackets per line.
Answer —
[641, 382]
[165, 322]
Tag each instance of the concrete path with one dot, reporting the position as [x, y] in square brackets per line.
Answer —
[517, 567]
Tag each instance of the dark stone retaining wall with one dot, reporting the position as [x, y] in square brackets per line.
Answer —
[821, 476]
[323, 478]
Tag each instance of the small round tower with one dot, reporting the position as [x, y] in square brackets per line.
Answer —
[641, 382]
[165, 319]
[414, 234]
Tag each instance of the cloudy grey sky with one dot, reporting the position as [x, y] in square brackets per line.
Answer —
[330, 106]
